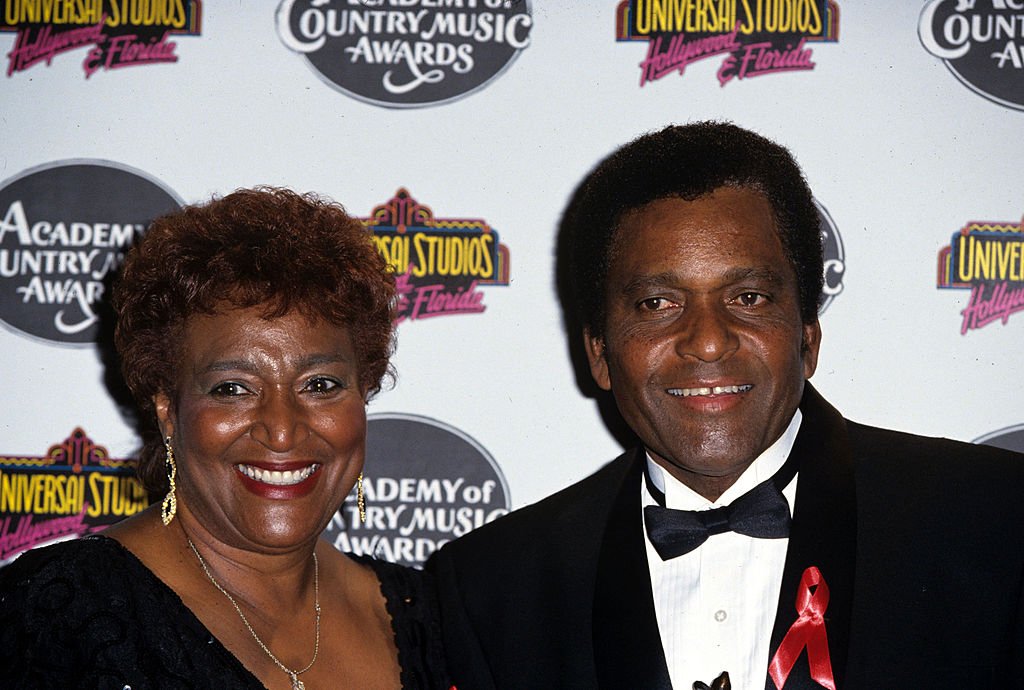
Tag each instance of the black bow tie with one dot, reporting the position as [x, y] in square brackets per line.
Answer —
[762, 512]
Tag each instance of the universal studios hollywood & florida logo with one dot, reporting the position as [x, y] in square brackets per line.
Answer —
[406, 53]
[987, 258]
[755, 38]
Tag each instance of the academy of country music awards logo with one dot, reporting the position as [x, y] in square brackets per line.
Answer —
[121, 33]
[64, 227]
[406, 53]
[74, 489]
[986, 258]
[755, 37]
[425, 483]
[439, 263]
[982, 44]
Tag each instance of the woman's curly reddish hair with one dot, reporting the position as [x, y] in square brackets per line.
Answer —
[255, 247]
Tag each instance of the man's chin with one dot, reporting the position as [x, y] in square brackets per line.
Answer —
[699, 466]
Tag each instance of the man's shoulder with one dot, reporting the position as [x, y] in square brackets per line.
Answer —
[982, 478]
[888, 445]
[571, 514]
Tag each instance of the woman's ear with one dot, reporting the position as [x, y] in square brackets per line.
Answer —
[164, 414]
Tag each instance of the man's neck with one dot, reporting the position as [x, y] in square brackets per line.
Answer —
[713, 487]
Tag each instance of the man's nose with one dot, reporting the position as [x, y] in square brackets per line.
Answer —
[706, 332]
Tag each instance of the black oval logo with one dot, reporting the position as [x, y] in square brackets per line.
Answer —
[835, 258]
[64, 227]
[426, 483]
[980, 44]
[1010, 438]
[406, 53]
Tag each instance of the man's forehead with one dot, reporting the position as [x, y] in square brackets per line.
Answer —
[663, 211]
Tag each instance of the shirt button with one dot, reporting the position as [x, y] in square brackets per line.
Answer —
[720, 615]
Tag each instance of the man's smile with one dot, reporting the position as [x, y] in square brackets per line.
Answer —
[709, 390]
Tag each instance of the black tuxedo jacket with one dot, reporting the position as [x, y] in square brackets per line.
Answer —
[920, 540]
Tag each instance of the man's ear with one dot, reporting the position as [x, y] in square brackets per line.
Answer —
[811, 343]
[596, 357]
[164, 414]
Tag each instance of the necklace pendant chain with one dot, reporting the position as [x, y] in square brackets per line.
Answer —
[292, 674]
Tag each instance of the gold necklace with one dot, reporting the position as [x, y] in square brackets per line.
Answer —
[294, 675]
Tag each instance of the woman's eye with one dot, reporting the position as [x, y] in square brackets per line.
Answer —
[322, 384]
[229, 389]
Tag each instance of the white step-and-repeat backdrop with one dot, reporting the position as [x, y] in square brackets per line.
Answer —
[458, 130]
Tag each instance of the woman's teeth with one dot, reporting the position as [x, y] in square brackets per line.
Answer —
[278, 477]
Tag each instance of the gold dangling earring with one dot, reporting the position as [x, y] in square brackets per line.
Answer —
[170, 504]
[361, 499]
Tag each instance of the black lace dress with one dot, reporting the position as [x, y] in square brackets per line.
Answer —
[88, 614]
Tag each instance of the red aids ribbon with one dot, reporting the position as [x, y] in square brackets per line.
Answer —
[807, 631]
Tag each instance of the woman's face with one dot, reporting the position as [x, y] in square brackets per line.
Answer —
[268, 426]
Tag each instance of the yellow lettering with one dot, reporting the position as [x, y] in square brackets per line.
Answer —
[424, 265]
[99, 488]
[747, 24]
[39, 495]
[643, 16]
[178, 18]
[981, 253]
[814, 25]
[660, 11]
[9, 495]
[485, 250]
[395, 250]
[964, 274]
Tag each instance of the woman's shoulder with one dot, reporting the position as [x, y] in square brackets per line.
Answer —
[81, 563]
[412, 604]
[87, 612]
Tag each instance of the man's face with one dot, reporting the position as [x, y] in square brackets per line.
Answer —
[704, 349]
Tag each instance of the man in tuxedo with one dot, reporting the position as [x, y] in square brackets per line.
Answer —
[755, 531]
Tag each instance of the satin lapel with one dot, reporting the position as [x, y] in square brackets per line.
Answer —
[627, 644]
[823, 534]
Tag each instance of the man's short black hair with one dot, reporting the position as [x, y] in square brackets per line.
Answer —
[688, 162]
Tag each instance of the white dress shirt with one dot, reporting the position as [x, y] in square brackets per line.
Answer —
[716, 605]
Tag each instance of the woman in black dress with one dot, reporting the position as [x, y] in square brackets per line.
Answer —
[252, 331]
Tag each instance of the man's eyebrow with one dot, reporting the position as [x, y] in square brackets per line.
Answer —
[758, 273]
[648, 281]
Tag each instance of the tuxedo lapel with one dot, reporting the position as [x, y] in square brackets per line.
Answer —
[627, 645]
[823, 534]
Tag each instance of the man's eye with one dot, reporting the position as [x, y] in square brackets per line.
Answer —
[322, 384]
[229, 389]
[655, 304]
[751, 299]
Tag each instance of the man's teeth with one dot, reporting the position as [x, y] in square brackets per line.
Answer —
[277, 477]
[714, 390]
